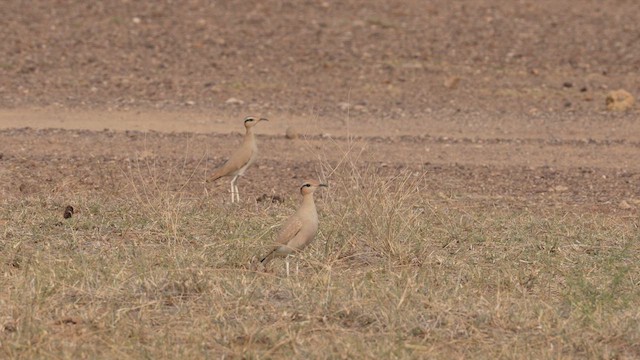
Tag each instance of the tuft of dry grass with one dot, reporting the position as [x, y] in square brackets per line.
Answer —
[154, 269]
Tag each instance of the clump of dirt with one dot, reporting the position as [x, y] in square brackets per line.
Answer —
[619, 100]
[291, 133]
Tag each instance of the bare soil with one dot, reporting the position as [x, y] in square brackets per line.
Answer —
[491, 104]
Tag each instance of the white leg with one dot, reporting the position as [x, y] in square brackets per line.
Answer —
[237, 193]
[297, 263]
[234, 189]
[286, 260]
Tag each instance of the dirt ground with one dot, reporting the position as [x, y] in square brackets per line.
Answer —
[526, 201]
[490, 98]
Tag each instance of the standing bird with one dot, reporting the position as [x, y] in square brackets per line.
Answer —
[241, 159]
[300, 229]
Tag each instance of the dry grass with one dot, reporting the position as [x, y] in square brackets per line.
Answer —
[153, 269]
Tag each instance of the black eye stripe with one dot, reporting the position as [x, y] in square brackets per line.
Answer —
[306, 185]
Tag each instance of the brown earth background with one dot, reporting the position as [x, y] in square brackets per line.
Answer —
[502, 223]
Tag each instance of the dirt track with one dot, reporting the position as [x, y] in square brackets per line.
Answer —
[567, 174]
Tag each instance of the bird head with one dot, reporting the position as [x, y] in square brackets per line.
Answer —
[251, 121]
[310, 186]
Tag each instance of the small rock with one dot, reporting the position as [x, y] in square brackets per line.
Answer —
[145, 154]
[272, 198]
[451, 82]
[624, 205]
[344, 106]
[189, 102]
[360, 108]
[10, 328]
[66, 321]
[68, 212]
[234, 101]
[291, 133]
[567, 84]
[136, 20]
[619, 100]
[560, 188]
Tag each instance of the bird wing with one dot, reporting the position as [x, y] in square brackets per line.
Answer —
[289, 230]
[237, 160]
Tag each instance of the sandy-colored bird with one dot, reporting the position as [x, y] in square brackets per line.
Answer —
[241, 159]
[300, 229]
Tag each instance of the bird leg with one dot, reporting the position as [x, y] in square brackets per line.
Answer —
[234, 189]
[286, 260]
[235, 185]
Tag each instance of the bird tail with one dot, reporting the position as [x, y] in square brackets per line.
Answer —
[268, 257]
[215, 176]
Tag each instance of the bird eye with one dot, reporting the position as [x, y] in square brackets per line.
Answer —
[249, 119]
[306, 185]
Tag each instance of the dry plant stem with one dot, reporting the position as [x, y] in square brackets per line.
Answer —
[148, 267]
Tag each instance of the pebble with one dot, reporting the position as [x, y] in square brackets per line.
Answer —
[291, 133]
[234, 101]
[344, 106]
[624, 205]
[619, 100]
[451, 82]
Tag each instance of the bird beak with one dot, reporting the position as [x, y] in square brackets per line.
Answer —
[323, 185]
[263, 119]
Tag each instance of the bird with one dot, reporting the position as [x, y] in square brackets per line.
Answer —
[241, 159]
[300, 229]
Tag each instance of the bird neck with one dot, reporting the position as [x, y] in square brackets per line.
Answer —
[248, 136]
[307, 201]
